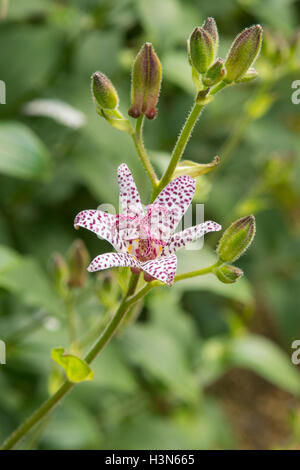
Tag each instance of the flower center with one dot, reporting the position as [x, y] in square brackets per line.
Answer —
[145, 249]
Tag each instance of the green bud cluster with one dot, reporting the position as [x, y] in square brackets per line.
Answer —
[207, 71]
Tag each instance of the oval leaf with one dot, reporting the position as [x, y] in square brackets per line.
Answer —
[266, 359]
[77, 370]
[22, 154]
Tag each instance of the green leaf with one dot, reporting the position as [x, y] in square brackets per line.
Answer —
[58, 110]
[22, 154]
[23, 276]
[162, 356]
[77, 369]
[266, 359]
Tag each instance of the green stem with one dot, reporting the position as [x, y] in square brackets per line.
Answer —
[198, 272]
[182, 140]
[179, 148]
[180, 277]
[37, 416]
[50, 404]
[218, 87]
[128, 300]
[137, 137]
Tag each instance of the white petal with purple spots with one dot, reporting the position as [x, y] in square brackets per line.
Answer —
[129, 195]
[176, 198]
[110, 260]
[181, 239]
[101, 223]
[163, 268]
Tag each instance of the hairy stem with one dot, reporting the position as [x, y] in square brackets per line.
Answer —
[51, 402]
[198, 272]
[137, 137]
[182, 140]
[129, 299]
[179, 148]
[37, 416]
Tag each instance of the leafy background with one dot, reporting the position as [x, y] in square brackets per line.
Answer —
[205, 365]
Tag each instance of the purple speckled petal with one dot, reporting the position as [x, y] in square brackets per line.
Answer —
[176, 198]
[163, 268]
[180, 239]
[129, 195]
[110, 260]
[103, 225]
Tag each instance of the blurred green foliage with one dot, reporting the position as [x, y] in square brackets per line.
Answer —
[157, 385]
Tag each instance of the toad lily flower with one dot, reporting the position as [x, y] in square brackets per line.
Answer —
[143, 238]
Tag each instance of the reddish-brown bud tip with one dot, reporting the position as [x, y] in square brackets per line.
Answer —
[151, 113]
[134, 112]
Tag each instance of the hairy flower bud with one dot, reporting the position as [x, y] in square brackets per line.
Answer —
[236, 239]
[146, 81]
[104, 92]
[79, 259]
[211, 27]
[243, 53]
[215, 74]
[228, 273]
[201, 49]
[60, 272]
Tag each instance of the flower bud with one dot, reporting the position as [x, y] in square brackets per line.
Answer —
[215, 74]
[60, 272]
[228, 273]
[104, 92]
[146, 81]
[193, 169]
[211, 27]
[203, 97]
[201, 49]
[250, 75]
[243, 52]
[79, 259]
[236, 239]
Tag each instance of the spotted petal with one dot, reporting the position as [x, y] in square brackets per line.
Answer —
[110, 260]
[129, 195]
[102, 224]
[180, 239]
[176, 198]
[163, 268]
